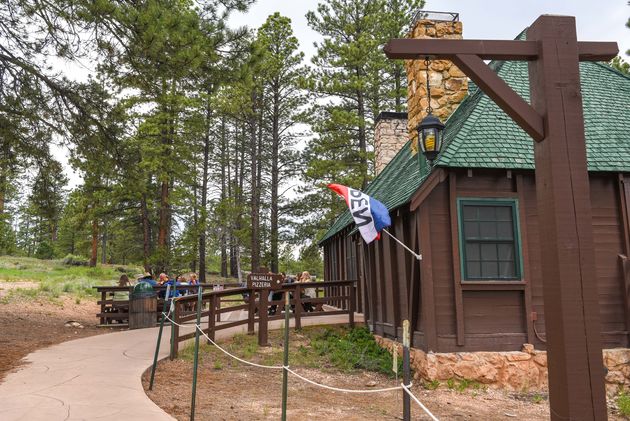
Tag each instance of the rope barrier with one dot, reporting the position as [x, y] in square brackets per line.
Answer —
[314, 383]
[337, 389]
[277, 367]
[424, 408]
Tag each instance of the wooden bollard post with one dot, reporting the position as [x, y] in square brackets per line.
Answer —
[406, 371]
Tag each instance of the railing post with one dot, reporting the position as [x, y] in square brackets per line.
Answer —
[218, 307]
[351, 304]
[211, 317]
[297, 296]
[103, 298]
[251, 312]
[263, 318]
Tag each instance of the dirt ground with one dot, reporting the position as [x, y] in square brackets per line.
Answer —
[232, 391]
[241, 393]
[28, 325]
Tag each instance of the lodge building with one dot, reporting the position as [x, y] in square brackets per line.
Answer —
[472, 214]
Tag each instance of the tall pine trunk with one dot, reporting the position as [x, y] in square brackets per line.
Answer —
[146, 233]
[223, 230]
[197, 245]
[254, 209]
[104, 243]
[94, 253]
[275, 179]
[204, 197]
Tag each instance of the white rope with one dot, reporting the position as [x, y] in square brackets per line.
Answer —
[279, 367]
[276, 367]
[424, 408]
[416, 255]
[337, 389]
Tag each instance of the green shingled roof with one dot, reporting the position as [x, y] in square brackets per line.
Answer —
[480, 135]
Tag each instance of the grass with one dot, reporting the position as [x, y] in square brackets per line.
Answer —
[623, 403]
[322, 347]
[54, 278]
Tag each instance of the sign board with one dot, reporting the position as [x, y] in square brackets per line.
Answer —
[264, 281]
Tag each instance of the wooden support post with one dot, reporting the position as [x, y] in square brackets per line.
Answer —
[251, 312]
[218, 304]
[297, 312]
[352, 305]
[572, 319]
[103, 298]
[263, 318]
[211, 317]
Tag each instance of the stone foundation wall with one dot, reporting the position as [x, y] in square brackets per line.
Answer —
[524, 370]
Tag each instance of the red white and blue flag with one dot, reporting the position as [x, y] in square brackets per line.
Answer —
[370, 215]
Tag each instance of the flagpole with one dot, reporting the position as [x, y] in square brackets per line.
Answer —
[416, 255]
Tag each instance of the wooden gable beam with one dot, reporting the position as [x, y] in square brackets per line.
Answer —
[502, 94]
[408, 48]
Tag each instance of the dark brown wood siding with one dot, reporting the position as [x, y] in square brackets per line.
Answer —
[448, 315]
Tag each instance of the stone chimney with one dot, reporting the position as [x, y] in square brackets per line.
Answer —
[449, 85]
[390, 134]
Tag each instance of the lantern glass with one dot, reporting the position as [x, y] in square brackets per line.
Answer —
[430, 136]
[430, 139]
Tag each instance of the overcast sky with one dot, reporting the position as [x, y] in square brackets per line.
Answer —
[602, 20]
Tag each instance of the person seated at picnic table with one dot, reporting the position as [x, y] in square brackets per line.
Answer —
[122, 282]
[193, 279]
[148, 278]
[163, 280]
[307, 292]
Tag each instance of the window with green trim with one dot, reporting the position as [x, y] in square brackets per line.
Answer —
[489, 239]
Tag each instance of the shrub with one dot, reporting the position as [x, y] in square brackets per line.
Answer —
[72, 260]
[44, 251]
[623, 403]
[355, 350]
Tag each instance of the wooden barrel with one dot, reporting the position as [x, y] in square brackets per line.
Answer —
[142, 311]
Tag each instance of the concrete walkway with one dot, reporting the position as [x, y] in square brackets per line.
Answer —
[98, 378]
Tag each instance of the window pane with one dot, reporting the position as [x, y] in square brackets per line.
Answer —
[506, 252]
[489, 252]
[470, 213]
[471, 229]
[488, 229]
[472, 251]
[504, 229]
[507, 270]
[489, 270]
[487, 213]
[473, 269]
[504, 213]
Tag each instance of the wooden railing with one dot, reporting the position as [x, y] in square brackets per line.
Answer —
[116, 309]
[339, 298]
